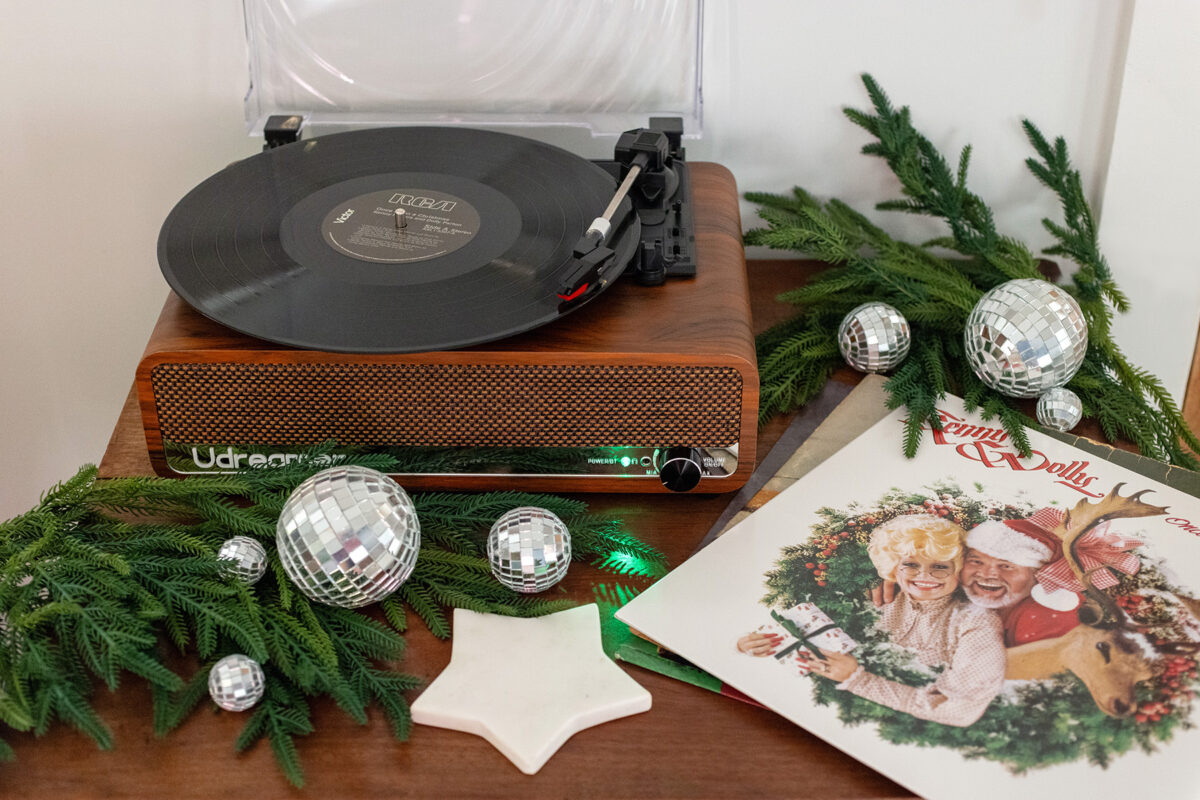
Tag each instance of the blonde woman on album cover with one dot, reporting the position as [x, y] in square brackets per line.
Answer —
[923, 554]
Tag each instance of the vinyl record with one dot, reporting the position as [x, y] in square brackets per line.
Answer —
[300, 245]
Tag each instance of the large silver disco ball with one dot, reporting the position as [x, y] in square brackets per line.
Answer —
[530, 549]
[1025, 336]
[1060, 409]
[236, 682]
[874, 337]
[348, 536]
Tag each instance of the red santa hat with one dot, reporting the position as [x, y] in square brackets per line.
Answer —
[1024, 542]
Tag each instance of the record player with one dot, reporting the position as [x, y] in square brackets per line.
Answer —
[490, 309]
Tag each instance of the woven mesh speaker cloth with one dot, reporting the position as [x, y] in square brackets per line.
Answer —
[402, 405]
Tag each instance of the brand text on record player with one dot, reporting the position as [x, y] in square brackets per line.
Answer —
[209, 458]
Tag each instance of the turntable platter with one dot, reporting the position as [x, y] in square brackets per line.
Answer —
[389, 240]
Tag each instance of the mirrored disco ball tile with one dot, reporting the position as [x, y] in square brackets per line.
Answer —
[1025, 336]
[348, 536]
[236, 682]
[874, 337]
[529, 549]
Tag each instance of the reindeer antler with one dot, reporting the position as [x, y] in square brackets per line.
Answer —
[1081, 519]
[1085, 515]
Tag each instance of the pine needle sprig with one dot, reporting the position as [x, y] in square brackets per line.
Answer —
[417, 595]
[362, 642]
[933, 189]
[393, 612]
[610, 547]
[171, 708]
[281, 716]
[936, 294]
[1133, 401]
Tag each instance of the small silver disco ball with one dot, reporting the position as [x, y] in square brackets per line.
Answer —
[348, 536]
[1025, 336]
[242, 558]
[1060, 409]
[874, 337]
[236, 682]
[530, 549]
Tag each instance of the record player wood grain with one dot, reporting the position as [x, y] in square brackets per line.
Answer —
[666, 366]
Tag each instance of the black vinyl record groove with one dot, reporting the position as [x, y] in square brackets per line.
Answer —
[299, 245]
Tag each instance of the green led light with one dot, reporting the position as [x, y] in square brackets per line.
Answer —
[626, 461]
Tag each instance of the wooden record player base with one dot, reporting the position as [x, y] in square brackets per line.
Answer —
[622, 370]
[692, 743]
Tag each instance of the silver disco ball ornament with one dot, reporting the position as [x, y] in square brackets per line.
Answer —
[236, 682]
[243, 559]
[874, 337]
[1060, 409]
[1025, 336]
[348, 536]
[530, 549]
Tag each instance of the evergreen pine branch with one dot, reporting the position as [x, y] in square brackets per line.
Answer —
[211, 607]
[603, 539]
[60, 691]
[453, 596]
[360, 641]
[14, 708]
[387, 689]
[283, 584]
[281, 716]
[788, 382]
[450, 539]
[832, 284]
[384, 688]
[359, 634]
[85, 594]
[624, 564]
[1137, 405]
[71, 706]
[936, 295]
[453, 560]
[393, 611]
[318, 638]
[421, 601]
[173, 707]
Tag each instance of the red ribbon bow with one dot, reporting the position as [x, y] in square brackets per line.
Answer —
[1098, 548]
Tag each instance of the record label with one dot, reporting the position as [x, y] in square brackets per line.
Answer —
[400, 226]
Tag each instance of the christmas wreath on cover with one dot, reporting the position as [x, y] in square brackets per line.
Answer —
[1030, 724]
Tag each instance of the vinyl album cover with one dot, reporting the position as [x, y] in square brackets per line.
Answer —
[966, 622]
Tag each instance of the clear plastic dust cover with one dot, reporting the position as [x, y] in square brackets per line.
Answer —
[607, 65]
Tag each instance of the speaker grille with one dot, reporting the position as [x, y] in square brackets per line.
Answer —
[398, 405]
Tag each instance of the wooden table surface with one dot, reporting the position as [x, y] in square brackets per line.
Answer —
[692, 743]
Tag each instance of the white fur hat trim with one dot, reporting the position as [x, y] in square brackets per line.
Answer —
[997, 540]
[1057, 600]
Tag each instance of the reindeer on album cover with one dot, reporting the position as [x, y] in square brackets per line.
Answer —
[1106, 651]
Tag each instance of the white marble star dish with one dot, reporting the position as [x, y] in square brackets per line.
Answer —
[528, 685]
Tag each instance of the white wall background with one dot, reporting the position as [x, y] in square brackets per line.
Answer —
[110, 112]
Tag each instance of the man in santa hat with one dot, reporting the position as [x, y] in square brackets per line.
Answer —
[1000, 570]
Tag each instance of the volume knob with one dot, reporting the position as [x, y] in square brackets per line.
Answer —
[681, 468]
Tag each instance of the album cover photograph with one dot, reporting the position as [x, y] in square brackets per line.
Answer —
[969, 618]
